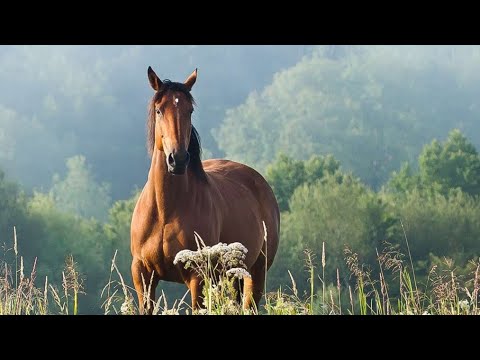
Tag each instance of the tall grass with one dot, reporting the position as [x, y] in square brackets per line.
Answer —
[394, 291]
[20, 296]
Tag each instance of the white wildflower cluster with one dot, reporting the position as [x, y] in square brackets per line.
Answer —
[217, 251]
[464, 305]
[238, 273]
[235, 256]
[228, 256]
[188, 257]
[218, 266]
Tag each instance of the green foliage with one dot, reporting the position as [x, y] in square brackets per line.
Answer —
[11, 209]
[404, 180]
[117, 230]
[13, 212]
[453, 164]
[372, 107]
[440, 224]
[341, 214]
[78, 193]
[286, 174]
[58, 235]
[319, 166]
[442, 167]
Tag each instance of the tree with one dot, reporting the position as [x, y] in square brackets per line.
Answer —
[286, 174]
[12, 210]
[404, 180]
[439, 224]
[372, 107]
[59, 234]
[117, 230]
[339, 213]
[79, 193]
[319, 166]
[453, 164]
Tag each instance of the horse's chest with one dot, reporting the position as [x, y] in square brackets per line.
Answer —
[160, 249]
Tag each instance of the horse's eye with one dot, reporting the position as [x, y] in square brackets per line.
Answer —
[158, 112]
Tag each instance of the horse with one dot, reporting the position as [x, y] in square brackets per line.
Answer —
[223, 201]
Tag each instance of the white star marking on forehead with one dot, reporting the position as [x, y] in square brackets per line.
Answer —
[175, 102]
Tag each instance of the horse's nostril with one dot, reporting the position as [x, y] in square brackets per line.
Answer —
[171, 160]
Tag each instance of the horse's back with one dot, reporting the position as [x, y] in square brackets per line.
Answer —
[239, 175]
[245, 191]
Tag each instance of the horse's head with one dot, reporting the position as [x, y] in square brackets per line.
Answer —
[171, 119]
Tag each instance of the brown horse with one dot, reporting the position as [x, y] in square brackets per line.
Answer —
[223, 201]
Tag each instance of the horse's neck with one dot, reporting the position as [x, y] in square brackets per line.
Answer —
[170, 192]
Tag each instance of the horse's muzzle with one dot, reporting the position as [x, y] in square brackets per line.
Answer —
[177, 162]
[178, 170]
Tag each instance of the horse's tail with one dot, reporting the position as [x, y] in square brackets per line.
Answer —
[270, 213]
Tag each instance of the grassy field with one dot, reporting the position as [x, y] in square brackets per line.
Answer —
[394, 292]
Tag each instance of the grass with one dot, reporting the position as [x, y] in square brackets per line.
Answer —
[20, 296]
[395, 291]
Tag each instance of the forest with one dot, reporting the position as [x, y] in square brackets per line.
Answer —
[364, 147]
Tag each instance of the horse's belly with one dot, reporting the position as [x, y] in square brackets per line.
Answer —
[247, 231]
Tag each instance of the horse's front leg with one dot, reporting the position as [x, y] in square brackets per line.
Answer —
[145, 285]
[195, 285]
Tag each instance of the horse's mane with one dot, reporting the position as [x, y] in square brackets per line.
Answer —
[195, 150]
[194, 147]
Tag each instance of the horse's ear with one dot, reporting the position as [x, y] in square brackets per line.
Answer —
[155, 81]
[191, 80]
